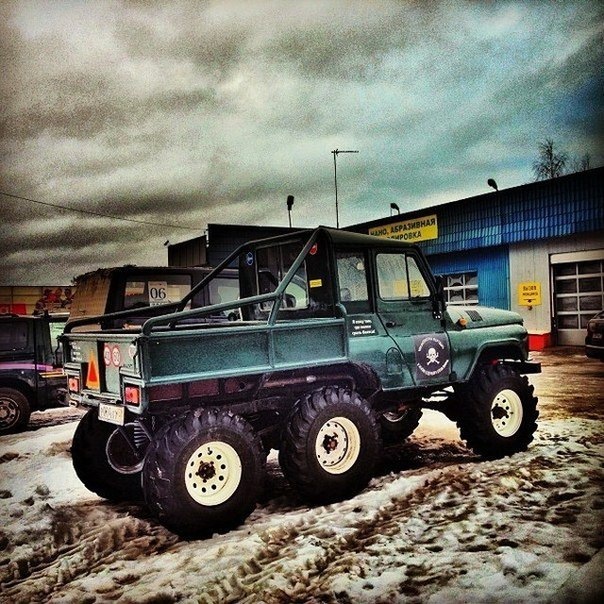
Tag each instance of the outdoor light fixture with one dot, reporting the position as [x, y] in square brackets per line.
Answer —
[492, 184]
[394, 206]
[290, 203]
[335, 177]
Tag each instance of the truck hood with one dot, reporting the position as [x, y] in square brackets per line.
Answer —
[481, 316]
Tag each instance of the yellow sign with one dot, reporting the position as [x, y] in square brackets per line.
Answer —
[416, 229]
[315, 283]
[529, 293]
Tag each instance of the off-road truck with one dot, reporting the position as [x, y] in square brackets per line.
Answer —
[31, 376]
[339, 341]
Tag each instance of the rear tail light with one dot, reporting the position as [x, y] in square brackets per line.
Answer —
[132, 395]
[73, 384]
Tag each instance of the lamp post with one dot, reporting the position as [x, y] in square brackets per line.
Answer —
[335, 178]
[492, 184]
[394, 206]
[290, 203]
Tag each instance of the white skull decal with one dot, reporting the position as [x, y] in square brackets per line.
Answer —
[432, 356]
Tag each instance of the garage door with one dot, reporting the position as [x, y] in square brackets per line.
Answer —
[578, 288]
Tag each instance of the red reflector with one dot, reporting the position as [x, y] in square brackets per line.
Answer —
[132, 395]
[73, 383]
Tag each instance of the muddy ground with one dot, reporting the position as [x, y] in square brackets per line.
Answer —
[436, 524]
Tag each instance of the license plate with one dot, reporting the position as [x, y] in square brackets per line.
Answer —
[112, 414]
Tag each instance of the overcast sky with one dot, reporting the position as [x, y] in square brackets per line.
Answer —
[184, 113]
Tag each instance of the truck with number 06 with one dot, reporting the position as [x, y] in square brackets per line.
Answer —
[335, 344]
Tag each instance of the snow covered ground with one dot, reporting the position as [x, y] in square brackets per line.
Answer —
[435, 525]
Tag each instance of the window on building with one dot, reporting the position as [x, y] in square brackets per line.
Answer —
[461, 288]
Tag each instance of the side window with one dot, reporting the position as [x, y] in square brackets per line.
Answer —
[399, 278]
[273, 264]
[352, 281]
[154, 290]
[13, 336]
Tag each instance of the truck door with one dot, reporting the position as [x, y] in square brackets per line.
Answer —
[404, 304]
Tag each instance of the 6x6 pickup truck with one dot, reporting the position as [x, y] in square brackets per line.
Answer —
[338, 341]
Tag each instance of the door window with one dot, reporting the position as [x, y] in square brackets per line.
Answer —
[352, 281]
[400, 278]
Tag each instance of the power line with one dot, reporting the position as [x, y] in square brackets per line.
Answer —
[92, 213]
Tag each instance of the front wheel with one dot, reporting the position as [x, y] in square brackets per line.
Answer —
[204, 472]
[498, 412]
[330, 445]
[14, 410]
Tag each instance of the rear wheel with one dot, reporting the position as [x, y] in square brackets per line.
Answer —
[399, 425]
[92, 441]
[204, 472]
[498, 412]
[14, 410]
[330, 445]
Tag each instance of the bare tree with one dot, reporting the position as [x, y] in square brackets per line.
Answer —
[551, 163]
[580, 164]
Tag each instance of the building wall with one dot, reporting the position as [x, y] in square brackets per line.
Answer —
[530, 262]
[493, 272]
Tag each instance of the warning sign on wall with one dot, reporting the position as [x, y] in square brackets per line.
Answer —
[529, 293]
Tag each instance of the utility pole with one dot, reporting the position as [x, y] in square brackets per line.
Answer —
[335, 177]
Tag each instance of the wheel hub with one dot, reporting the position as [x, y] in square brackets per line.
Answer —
[9, 412]
[506, 413]
[213, 473]
[206, 471]
[337, 445]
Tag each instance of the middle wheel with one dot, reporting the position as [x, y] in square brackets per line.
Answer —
[330, 445]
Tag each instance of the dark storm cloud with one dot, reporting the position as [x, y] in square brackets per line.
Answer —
[194, 112]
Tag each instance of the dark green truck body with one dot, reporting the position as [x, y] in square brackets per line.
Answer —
[318, 311]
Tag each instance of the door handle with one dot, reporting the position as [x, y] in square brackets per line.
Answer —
[390, 324]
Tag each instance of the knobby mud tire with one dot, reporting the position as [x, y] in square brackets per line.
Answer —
[88, 452]
[14, 411]
[395, 431]
[353, 421]
[186, 456]
[494, 396]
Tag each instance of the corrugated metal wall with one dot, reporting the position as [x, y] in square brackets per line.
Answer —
[493, 270]
[571, 204]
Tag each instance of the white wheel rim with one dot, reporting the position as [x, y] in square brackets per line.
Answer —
[337, 445]
[506, 413]
[213, 473]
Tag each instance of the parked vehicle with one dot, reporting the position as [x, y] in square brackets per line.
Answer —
[109, 290]
[342, 340]
[31, 376]
[594, 338]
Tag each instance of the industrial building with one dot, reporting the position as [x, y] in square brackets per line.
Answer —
[537, 249]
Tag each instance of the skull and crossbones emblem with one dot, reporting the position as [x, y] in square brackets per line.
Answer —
[432, 356]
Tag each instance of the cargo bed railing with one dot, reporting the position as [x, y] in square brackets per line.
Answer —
[276, 297]
[158, 315]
